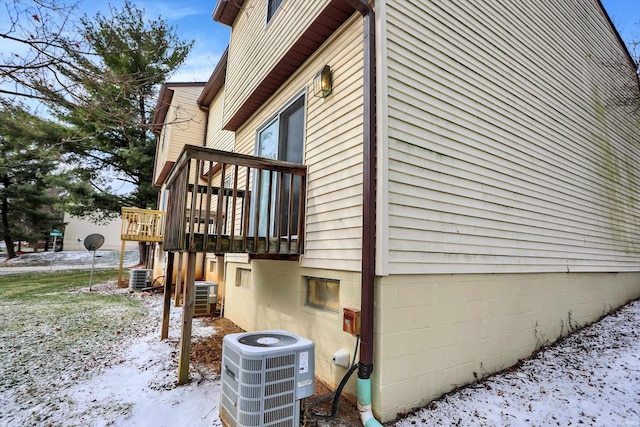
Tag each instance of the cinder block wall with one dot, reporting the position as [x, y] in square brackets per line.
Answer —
[434, 333]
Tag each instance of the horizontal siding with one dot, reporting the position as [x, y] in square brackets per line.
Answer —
[334, 156]
[256, 47]
[186, 120]
[184, 124]
[216, 137]
[333, 150]
[508, 148]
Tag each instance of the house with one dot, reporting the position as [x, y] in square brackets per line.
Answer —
[76, 229]
[465, 174]
[177, 121]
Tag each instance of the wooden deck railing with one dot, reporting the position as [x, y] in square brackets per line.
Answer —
[142, 225]
[245, 204]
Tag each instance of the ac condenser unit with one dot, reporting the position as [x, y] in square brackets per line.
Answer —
[264, 376]
[139, 278]
[206, 297]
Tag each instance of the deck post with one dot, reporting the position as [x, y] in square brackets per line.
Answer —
[187, 318]
[121, 262]
[178, 296]
[166, 312]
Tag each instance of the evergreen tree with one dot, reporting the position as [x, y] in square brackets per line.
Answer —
[29, 200]
[108, 98]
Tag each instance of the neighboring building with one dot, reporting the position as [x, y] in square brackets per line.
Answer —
[470, 183]
[177, 121]
[76, 229]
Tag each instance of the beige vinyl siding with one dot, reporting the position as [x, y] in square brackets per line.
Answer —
[333, 149]
[162, 150]
[185, 120]
[256, 46]
[508, 148]
[184, 124]
[216, 137]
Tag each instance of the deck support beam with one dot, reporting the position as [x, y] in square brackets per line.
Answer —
[166, 311]
[187, 319]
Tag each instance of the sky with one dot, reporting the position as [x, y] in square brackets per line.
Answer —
[625, 15]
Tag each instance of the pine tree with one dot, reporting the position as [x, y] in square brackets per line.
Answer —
[29, 199]
[108, 98]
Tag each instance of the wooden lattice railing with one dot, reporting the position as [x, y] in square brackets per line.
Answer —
[142, 225]
[223, 202]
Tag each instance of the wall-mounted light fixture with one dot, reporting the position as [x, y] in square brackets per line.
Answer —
[323, 83]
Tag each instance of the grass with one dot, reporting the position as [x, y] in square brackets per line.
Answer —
[34, 286]
[54, 332]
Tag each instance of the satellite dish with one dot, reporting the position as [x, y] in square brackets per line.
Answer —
[93, 242]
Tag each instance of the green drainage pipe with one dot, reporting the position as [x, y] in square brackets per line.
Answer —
[364, 403]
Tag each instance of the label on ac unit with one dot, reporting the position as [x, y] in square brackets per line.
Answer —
[303, 364]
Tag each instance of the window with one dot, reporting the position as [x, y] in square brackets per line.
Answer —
[281, 138]
[323, 294]
[272, 6]
[243, 277]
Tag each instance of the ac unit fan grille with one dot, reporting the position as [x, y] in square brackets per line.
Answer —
[279, 416]
[280, 374]
[275, 402]
[277, 362]
[139, 279]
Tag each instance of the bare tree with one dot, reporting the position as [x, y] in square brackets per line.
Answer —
[33, 34]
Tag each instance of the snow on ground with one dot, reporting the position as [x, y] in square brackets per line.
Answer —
[135, 386]
[591, 378]
[139, 387]
[70, 258]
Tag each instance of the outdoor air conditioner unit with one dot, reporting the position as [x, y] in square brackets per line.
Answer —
[264, 376]
[139, 278]
[206, 297]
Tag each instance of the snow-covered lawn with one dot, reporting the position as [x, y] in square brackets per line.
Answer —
[71, 258]
[123, 375]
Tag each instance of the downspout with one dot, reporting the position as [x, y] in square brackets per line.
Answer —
[365, 367]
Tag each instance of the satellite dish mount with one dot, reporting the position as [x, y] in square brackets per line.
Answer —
[92, 243]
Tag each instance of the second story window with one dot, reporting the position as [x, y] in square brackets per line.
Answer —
[272, 6]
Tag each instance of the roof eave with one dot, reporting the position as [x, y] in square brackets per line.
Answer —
[226, 11]
[162, 106]
[215, 82]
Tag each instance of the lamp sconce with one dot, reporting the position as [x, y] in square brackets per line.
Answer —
[323, 82]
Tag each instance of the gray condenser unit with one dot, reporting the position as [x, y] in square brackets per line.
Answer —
[264, 376]
[139, 278]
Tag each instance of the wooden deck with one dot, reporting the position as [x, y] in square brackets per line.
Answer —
[221, 202]
[220, 244]
[142, 225]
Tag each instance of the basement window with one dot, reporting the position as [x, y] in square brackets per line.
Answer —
[272, 7]
[323, 294]
[243, 277]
